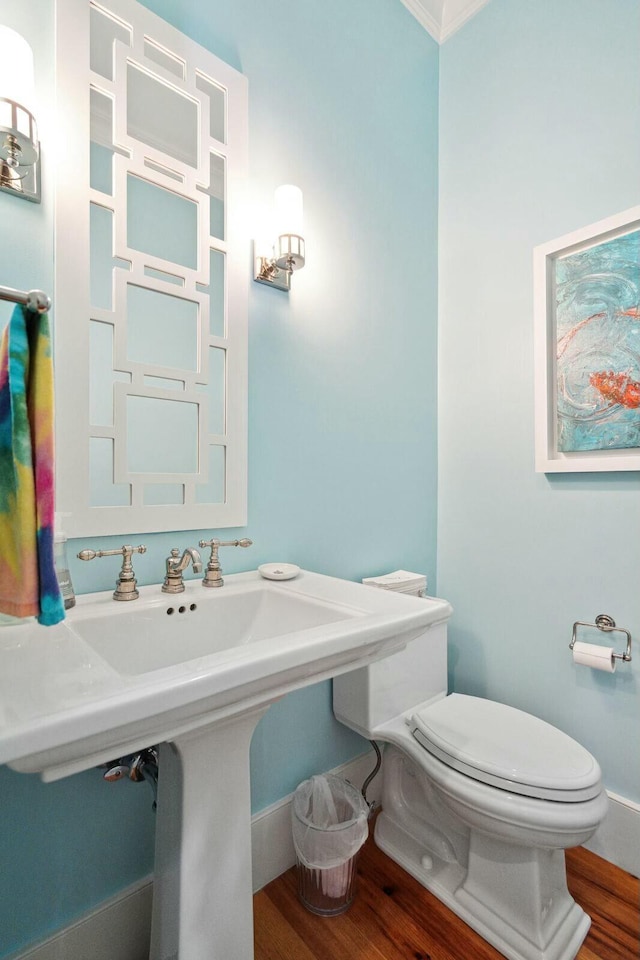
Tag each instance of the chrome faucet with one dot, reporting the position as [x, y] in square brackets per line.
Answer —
[173, 582]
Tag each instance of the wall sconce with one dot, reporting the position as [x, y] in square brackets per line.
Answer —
[276, 260]
[19, 147]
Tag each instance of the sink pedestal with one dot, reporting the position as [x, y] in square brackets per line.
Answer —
[203, 897]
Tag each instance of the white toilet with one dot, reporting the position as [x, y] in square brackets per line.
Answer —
[479, 800]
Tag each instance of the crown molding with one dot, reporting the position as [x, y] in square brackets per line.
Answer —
[431, 21]
[442, 18]
[456, 14]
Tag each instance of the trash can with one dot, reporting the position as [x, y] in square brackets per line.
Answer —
[330, 824]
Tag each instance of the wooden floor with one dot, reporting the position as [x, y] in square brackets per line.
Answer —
[394, 918]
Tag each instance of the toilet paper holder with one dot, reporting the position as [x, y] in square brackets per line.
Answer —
[608, 625]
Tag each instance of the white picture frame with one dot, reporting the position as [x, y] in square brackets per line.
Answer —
[587, 348]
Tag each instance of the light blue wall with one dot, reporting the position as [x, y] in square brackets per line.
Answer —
[539, 135]
[342, 405]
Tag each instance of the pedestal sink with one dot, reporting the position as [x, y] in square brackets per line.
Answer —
[193, 673]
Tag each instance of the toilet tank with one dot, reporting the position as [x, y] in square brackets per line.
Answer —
[365, 698]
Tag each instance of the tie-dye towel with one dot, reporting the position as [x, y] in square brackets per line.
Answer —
[28, 582]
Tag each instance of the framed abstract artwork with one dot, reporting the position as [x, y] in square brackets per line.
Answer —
[587, 348]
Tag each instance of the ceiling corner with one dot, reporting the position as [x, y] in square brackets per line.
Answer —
[456, 13]
[442, 18]
[428, 13]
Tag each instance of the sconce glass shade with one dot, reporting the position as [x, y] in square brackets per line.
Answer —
[16, 69]
[288, 210]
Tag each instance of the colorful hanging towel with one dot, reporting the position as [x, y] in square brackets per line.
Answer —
[28, 582]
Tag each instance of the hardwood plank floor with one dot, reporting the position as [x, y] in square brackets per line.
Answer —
[394, 918]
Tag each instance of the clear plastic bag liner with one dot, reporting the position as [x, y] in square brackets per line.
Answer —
[329, 821]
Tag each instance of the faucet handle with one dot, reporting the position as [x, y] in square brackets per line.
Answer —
[126, 584]
[214, 544]
[125, 551]
[213, 575]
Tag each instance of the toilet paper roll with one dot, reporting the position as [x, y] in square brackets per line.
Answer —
[591, 655]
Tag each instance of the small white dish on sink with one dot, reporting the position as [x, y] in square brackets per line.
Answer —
[278, 571]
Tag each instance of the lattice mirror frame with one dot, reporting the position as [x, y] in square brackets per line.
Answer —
[177, 458]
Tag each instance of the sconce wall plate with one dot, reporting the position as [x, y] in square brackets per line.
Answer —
[266, 271]
[276, 271]
[27, 188]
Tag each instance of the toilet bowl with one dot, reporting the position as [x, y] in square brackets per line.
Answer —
[479, 800]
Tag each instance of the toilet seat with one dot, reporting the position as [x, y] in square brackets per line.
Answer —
[506, 748]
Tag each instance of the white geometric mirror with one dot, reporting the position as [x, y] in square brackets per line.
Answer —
[151, 276]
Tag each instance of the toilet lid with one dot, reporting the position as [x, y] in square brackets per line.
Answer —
[506, 748]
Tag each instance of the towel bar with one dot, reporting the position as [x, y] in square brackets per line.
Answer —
[36, 300]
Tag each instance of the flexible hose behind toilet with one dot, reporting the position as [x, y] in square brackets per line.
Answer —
[371, 776]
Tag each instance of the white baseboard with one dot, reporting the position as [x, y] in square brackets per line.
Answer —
[119, 928]
[618, 839]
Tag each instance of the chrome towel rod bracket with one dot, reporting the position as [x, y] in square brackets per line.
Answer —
[608, 625]
[36, 300]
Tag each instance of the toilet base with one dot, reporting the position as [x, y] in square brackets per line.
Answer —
[514, 896]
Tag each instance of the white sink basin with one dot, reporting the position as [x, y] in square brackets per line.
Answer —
[176, 630]
[117, 677]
